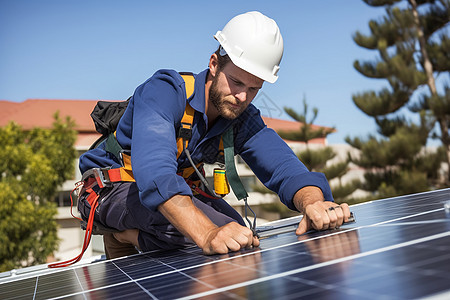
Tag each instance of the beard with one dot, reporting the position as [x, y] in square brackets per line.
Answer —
[224, 104]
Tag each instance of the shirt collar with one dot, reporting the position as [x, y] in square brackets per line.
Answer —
[197, 102]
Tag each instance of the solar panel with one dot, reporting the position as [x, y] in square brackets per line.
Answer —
[398, 248]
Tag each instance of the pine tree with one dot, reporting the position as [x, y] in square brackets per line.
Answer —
[33, 164]
[317, 160]
[414, 49]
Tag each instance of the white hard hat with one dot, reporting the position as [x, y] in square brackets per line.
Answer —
[254, 43]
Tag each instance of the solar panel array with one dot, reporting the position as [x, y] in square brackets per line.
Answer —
[398, 248]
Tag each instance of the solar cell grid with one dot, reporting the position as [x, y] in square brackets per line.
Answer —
[399, 248]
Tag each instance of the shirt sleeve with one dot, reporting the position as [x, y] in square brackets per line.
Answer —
[276, 165]
[159, 105]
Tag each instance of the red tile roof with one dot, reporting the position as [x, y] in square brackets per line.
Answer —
[39, 113]
[285, 125]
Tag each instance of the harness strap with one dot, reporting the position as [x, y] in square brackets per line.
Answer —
[185, 131]
[194, 187]
[93, 201]
[113, 146]
[124, 173]
[232, 176]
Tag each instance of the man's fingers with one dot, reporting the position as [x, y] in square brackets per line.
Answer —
[317, 216]
[340, 216]
[345, 211]
[245, 239]
[332, 216]
[230, 237]
[255, 241]
[232, 245]
[303, 226]
[216, 247]
[322, 216]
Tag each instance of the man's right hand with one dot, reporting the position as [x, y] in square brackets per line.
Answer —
[230, 237]
[194, 224]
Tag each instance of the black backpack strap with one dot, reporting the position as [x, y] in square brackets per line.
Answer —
[112, 146]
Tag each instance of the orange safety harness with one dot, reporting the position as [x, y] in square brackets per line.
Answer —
[104, 177]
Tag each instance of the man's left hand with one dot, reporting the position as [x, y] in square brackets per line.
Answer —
[317, 213]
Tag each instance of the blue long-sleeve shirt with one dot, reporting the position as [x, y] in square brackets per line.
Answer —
[148, 128]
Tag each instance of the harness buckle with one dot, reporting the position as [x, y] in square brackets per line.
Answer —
[100, 174]
[185, 131]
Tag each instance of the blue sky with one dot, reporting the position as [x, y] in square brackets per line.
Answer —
[103, 49]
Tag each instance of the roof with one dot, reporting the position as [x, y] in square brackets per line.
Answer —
[39, 113]
[285, 125]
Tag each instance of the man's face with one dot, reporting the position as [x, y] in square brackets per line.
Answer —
[232, 90]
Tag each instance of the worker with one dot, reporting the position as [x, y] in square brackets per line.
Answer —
[161, 209]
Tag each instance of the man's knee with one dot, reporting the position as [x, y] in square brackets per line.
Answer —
[115, 248]
[129, 236]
